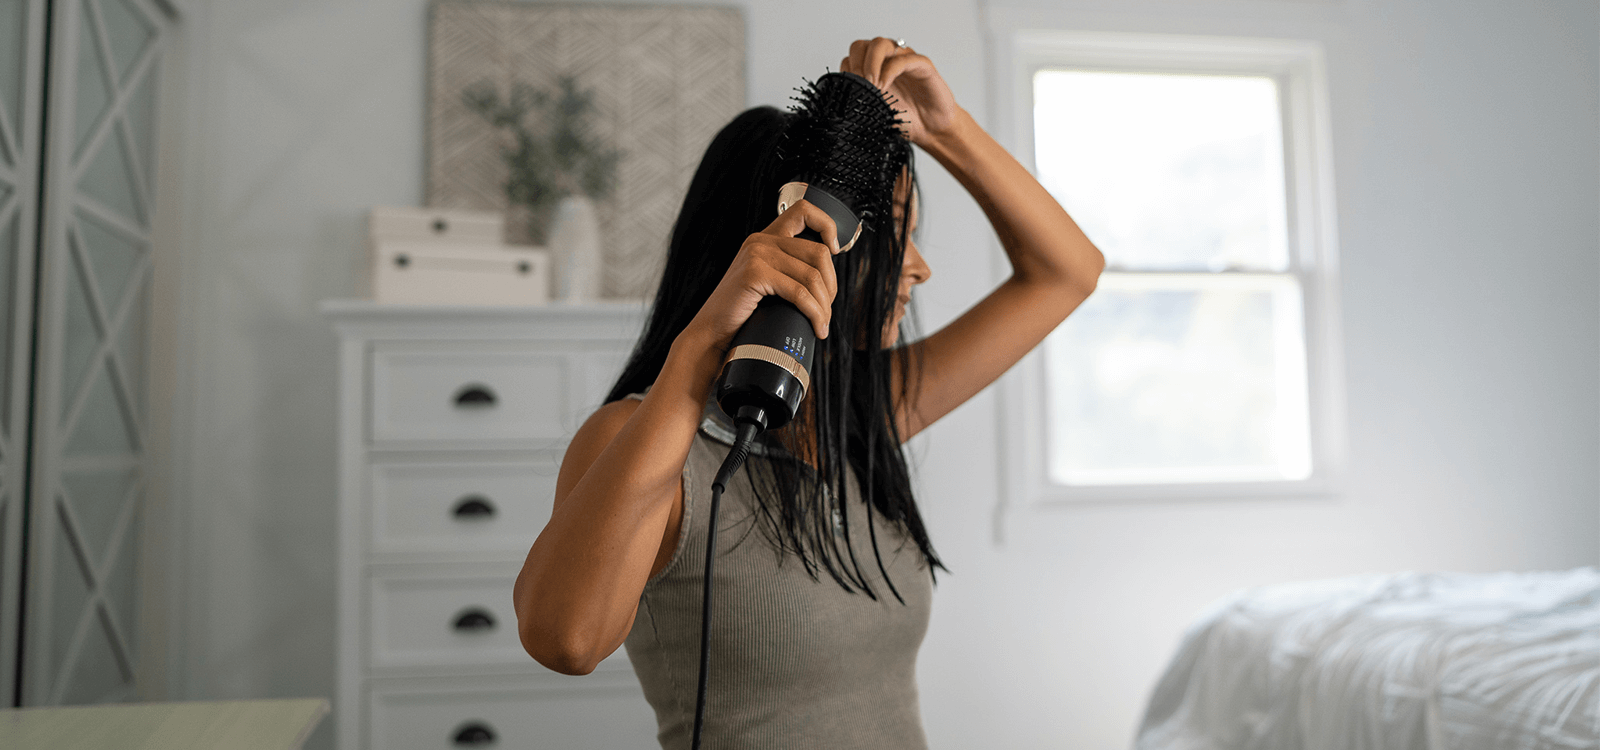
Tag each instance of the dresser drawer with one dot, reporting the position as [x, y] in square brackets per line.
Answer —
[444, 622]
[450, 621]
[480, 391]
[570, 717]
[464, 507]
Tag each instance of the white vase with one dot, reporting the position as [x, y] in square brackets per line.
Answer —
[575, 251]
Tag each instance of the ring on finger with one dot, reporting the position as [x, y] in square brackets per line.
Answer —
[900, 42]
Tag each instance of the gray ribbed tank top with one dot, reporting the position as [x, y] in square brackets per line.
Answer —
[795, 662]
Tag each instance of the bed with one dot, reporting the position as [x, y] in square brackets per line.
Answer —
[1507, 661]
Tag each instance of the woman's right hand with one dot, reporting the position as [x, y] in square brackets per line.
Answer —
[774, 262]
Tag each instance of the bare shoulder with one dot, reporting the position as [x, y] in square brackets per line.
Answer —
[591, 440]
[608, 419]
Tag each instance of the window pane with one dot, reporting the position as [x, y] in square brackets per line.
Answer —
[1166, 172]
[1180, 378]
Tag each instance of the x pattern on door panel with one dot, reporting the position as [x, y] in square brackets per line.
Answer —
[92, 429]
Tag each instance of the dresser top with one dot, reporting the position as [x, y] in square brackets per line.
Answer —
[362, 318]
[245, 725]
[366, 309]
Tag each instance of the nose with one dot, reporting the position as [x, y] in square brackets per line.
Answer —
[914, 269]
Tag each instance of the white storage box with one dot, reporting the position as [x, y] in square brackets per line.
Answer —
[445, 225]
[433, 273]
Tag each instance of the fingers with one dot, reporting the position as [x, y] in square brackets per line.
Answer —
[809, 287]
[799, 269]
[910, 64]
[804, 215]
[796, 270]
[874, 53]
[804, 264]
[807, 303]
[855, 62]
[867, 56]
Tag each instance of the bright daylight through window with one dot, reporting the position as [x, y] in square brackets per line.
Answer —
[1188, 364]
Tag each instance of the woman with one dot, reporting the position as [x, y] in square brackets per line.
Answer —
[825, 573]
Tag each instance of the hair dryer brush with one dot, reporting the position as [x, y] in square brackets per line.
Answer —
[844, 151]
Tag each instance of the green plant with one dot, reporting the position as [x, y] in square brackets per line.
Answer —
[552, 154]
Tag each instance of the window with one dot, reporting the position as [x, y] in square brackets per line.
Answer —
[1205, 364]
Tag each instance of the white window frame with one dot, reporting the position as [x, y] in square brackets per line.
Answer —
[1299, 69]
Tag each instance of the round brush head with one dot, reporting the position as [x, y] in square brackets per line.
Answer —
[845, 139]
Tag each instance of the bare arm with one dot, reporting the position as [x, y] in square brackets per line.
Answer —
[616, 493]
[1054, 266]
[619, 495]
[1054, 269]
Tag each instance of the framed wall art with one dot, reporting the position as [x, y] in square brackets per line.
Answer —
[583, 123]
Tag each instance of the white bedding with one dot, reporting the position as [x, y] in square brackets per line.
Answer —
[1508, 661]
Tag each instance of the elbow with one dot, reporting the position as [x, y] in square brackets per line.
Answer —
[1072, 278]
[567, 650]
[564, 661]
[1094, 265]
[1084, 280]
[1084, 285]
[565, 634]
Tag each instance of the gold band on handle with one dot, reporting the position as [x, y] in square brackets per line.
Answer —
[769, 354]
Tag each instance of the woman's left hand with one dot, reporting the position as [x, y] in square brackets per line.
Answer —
[925, 102]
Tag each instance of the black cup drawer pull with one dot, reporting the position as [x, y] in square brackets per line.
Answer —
[474, 620]
[475, 396]
[473, 508]
[475, 734]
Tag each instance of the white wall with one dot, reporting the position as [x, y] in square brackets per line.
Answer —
[1465, 138]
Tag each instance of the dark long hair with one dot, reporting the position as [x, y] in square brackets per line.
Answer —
[851, 407]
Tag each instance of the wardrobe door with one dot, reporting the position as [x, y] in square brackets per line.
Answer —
[22, 37]
[90, 423]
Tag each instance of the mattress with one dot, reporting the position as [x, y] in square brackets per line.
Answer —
[1506, 661]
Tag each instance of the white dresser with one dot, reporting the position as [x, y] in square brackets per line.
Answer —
[452, 421]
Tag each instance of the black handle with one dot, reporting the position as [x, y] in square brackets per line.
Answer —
[440, 226]
[752, 375]
[475, 396]
[472, 508]
[474, 619]
[475, 734]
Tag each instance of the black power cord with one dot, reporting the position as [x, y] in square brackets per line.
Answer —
[751, 421]
[846, 150]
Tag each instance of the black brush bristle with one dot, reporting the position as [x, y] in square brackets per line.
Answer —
[845, 138]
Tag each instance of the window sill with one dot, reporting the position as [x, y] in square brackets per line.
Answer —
[1061, 496]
